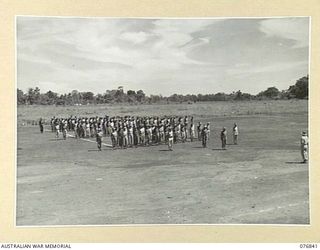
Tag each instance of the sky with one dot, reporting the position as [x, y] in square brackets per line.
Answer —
[161, 56]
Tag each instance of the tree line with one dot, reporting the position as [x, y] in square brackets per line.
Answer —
[33, 96]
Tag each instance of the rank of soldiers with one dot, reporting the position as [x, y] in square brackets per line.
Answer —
[130, 131]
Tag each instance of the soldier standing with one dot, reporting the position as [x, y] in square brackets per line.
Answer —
[199, 128]
[64, 130]
[41, 125]
[52, 124]
[99, 135]
[304, 142]
[204, 135]
[114, 138]
[130, 136]
[183, 134]
[192, 131]
[57, 127]
[235, 134]
[135, 136]
[125, 137]
[170, 139]
[223, 137]
[142, 136]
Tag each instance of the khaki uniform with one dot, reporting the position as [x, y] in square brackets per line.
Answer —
[304, 142]
[170, 140]
[235, 135]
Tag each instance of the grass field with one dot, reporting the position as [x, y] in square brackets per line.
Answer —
[259, 181]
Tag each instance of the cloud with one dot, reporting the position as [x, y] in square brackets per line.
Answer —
[135, 37]
[159, 56]
[296, 29]
[243, 70]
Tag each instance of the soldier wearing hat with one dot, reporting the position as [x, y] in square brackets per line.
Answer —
[304, 142]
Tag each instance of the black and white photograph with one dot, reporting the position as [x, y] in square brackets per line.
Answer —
[162, 121]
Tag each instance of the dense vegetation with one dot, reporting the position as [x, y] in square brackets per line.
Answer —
[33, 96]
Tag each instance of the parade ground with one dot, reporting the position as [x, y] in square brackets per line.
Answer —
[259, 181]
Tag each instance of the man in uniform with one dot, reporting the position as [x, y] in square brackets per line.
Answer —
[208, 130]
[183, 134]
[204, 135]
[53, 127]
[199, 128]
[114, 138]
[192, 132]
[41, 125]
[125, 137]
[57, 127]
[64, 129]
[170, 139]
[235, 134]
[161, 132]
[142, 135]
[130, 135]
[223, 136]
[304, 142]
[99, 135]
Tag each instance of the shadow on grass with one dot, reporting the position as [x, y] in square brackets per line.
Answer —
[93, 150]
[198, 147]
[164, 150]
[218, 149]
[110, 149]
[295, 162]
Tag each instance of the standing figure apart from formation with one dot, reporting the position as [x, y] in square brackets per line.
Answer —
[208, 128]
[235, 134]
[205, 135]
[41, 125]
[223, 137]
[99, 135]
[304, 142]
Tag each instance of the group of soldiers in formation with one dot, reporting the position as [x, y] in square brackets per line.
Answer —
[130, 131]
